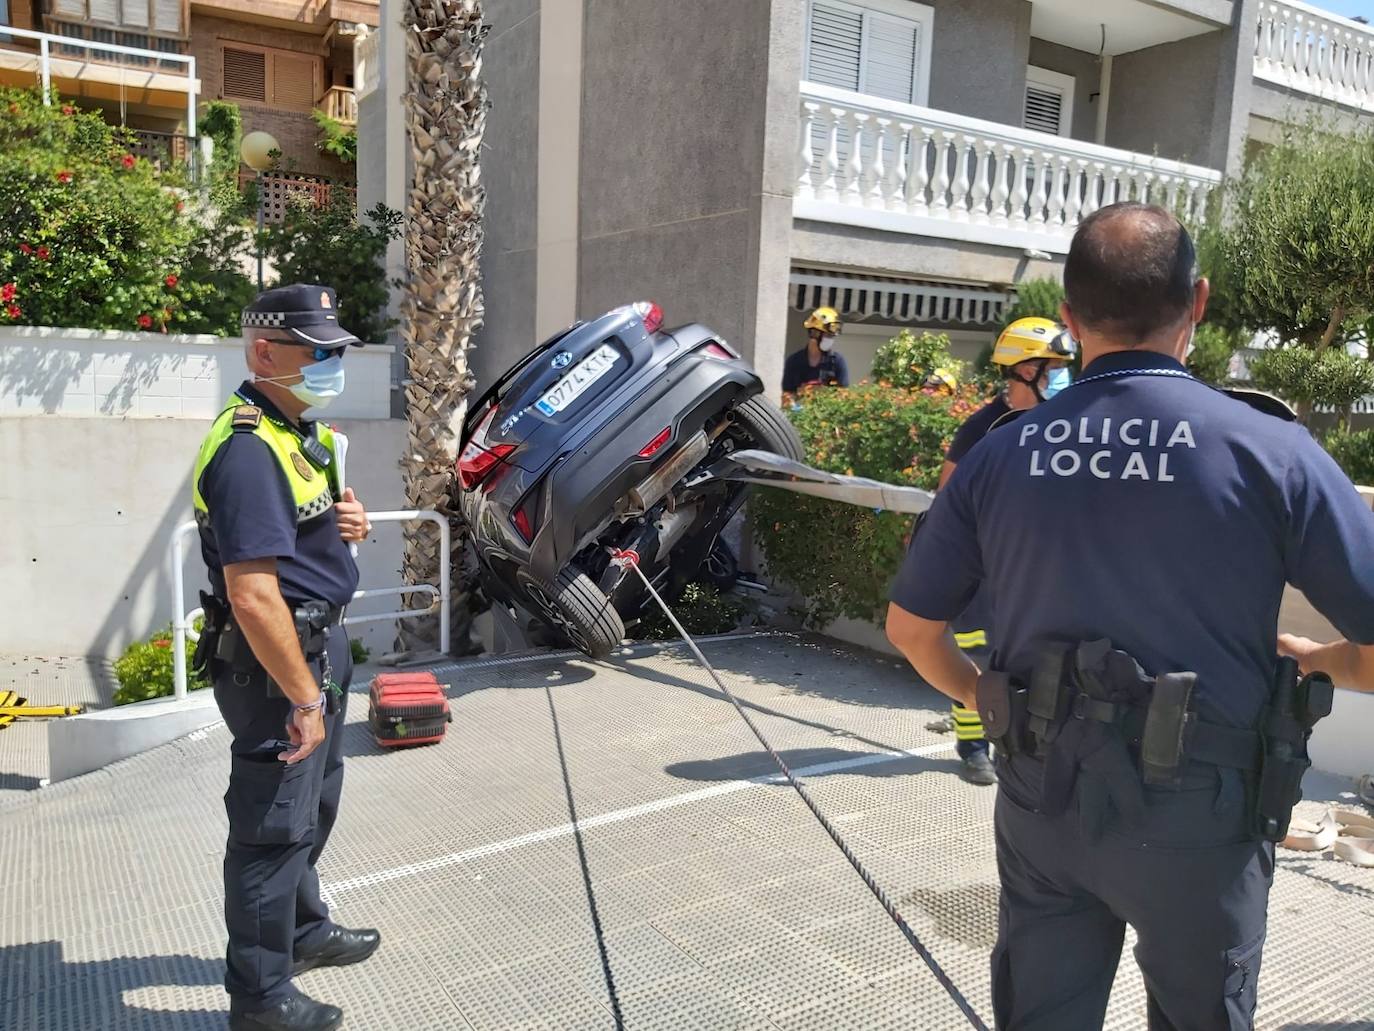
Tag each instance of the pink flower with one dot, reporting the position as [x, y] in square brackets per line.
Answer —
[179, 205]
[13, 311]
[8, 291]
[171, 282]
[67, 109]
[127, 161]
[145, 321]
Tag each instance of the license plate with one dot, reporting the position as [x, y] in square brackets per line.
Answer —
[584, 374]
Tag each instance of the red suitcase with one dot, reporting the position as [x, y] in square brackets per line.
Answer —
[407, 709]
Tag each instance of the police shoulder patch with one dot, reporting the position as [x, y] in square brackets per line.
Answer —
[1262, 402]
[302, 466]
[246, 417]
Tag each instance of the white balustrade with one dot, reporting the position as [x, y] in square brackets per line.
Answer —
[1316, 52]
[872, 162]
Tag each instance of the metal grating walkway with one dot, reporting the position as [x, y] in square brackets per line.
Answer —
[721, 903]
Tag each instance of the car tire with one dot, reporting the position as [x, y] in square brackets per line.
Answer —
[721, 568]
[770, 429]
[577, 609]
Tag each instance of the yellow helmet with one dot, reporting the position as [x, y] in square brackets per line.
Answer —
[943, 379]
[1027, 339]
[827, 320]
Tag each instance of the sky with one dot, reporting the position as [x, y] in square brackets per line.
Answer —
[1347, 7]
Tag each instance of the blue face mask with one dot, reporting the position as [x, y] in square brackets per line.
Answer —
[321, 382]
[1057, 381]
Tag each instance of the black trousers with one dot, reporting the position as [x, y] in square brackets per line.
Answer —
[1188, 878]
[280, 817]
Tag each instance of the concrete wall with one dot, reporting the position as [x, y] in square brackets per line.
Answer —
[686, 176]
[83, 372]
[89, 506]
[510, 164]
[1087, 76]
[978, 61]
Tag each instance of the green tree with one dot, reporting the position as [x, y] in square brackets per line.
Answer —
[1307, 377]
[1036, 298]
[907, 359]
[331, 245]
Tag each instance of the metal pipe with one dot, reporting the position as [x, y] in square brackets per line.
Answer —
[179, 618]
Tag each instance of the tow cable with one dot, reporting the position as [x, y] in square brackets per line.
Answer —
[628, 559]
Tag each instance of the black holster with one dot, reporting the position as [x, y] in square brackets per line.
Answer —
[1002, 710]
[1294, 708]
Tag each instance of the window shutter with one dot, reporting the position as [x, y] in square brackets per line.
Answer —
[168, 16]
[891, 51]
[293, 81]
[1044, 109]
[105, 10]
[245, 75]
[835, 45]
[135, 13]
[69, 8]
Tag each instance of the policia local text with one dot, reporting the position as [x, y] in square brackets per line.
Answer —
[1105, 464]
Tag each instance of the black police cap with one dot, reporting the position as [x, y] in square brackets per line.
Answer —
[305, 311]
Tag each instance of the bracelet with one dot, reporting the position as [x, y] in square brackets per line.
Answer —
[317, 703]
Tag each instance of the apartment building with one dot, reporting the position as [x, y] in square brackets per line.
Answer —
[907, 161]
[151, 65]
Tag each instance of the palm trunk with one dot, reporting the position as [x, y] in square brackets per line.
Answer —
[446, 108]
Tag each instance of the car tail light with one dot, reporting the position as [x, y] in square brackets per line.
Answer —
[521, 519]
[720, 352]
[654, 446]
[478, 459]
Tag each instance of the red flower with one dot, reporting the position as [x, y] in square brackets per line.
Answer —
[127, 161]
[179, 205]
[8, 291]
[25, 249]
[67, 109]
[43, 253]
[171, 282]
[145, 321]
[14, 108]
[13, 311]
[160, 643]
[64, 176]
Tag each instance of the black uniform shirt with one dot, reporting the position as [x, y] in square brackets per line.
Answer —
[798, 370]
[975, 428]
[253, 516]
[1143, 506]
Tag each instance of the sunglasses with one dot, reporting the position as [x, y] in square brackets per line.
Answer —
[318, 353]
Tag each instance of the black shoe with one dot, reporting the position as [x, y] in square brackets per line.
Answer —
[977, 768]
[298, 1013]
[339, 948]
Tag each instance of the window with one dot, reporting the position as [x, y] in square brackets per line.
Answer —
[1049, 101]
[877, 47]
[161, 16]
[286, 80]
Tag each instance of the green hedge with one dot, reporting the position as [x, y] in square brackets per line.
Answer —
[1353, 452]
[145, 670]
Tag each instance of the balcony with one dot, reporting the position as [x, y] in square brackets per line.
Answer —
[1315, 52]
[902, 168]
[341, 104]
[280, 191]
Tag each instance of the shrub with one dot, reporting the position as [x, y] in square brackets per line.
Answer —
[841, 557]
[1213, 347]
[336, 139]
[330, 245]
[701, 610]
[89, 235]
[1036, 298]
[1306, 377]
[360, 651]
[1353, 452]
[145, 670]
[906, 360]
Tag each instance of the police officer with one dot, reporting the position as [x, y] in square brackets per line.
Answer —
[817, 364]
[1136, 532]
[275, 528]
[1032, 355]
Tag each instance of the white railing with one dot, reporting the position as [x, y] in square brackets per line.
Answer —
[48, 42]
[871, 162]
[183, 622]
[1316, 52]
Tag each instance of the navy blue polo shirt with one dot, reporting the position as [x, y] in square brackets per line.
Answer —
[1143, 506]
[797, 370]
[975, 428]
[253, 516]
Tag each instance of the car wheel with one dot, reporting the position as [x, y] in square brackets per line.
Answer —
[576, 608]
[768, 429]
[721, 568]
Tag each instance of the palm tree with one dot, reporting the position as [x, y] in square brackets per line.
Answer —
[446, 109]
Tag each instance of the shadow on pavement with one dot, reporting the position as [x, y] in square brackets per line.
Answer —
[802, 762]
[42, 989]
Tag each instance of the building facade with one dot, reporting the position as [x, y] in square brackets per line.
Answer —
[907, 161]
[152, 64]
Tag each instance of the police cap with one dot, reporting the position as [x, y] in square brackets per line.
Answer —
[306, 311]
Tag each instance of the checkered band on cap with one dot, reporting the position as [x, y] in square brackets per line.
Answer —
[259, 319]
